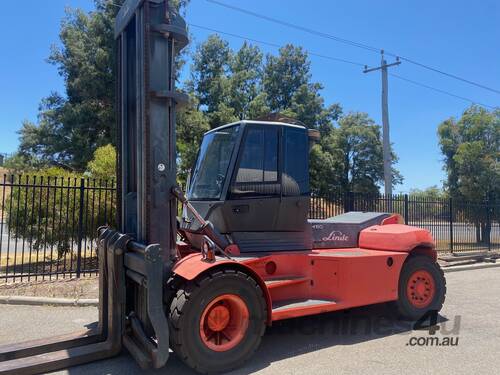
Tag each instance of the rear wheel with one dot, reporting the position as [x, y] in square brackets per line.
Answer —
[422, 287]
[217, 321]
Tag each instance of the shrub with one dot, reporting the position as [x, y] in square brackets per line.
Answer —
[55, 208]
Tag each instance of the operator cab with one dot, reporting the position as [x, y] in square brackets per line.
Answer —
[251, 181]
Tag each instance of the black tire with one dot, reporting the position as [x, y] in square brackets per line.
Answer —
[186, 310]
[413, 264]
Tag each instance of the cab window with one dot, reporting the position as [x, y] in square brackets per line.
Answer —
[296, 162]
[257, 173]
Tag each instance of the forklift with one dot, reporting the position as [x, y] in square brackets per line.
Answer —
[242, 254]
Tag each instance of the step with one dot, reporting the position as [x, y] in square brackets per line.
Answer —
[277, 282]
[300, 307]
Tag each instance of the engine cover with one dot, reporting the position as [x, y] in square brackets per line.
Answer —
[342, 231]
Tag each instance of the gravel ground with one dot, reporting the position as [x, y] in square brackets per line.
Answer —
[327, 344]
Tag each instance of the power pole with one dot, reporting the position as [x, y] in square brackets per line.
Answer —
[385, 121]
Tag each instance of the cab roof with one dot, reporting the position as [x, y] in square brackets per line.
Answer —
[254, 122]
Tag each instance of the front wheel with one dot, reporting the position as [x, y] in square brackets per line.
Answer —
[217, 321]
[422, 287]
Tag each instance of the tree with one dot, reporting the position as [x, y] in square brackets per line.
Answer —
[103, 165]
[284, 74]
[428, 204]
[471, 149]
[71, 126]
[18, 164]
[191, 125]
[245, 80]
[227, 84]
[289, 90]
[432, 193]
[356, 159]
[209, 80]
[308, 107]
[48, 209]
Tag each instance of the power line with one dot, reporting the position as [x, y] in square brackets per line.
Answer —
[349, 42]
[440, 90]
[295, 26]
[339, 60]
[274, 44]
[448, 74]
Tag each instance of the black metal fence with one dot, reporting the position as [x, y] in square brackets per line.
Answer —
[48, 224]
[457, 226]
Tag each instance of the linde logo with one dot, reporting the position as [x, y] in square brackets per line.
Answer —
[336, 235]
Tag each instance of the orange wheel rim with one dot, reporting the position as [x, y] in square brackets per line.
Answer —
[421, 289]
[224, 322]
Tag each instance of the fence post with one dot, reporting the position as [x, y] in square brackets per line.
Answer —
[80, 229]
[406, 209]
[488, 223]
[350, 201]
[451, 225]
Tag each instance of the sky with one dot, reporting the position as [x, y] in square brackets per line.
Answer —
[456, 36]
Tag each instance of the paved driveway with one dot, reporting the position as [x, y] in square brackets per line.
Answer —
[365, 340]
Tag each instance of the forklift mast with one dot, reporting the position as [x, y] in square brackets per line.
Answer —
[149, 36]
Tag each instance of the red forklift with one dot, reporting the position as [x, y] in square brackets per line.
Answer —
[243, 253]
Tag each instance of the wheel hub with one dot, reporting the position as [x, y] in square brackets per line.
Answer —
[224, 322]
[218, 318]
[421, 289]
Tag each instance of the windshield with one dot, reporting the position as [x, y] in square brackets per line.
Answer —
[213, 161]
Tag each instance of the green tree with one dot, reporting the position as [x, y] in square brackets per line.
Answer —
[471, 149]
[428, 204]
[284, 74]
[103, 164]
[324, 169]
[432, 193]
[357, 155]
[18, 164]
[71, 127]
[245, 80]
[191, 125]
[289, 90]
[227, 84]
[210, 81]
[44, 209]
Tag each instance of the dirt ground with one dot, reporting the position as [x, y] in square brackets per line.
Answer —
[87, 287]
